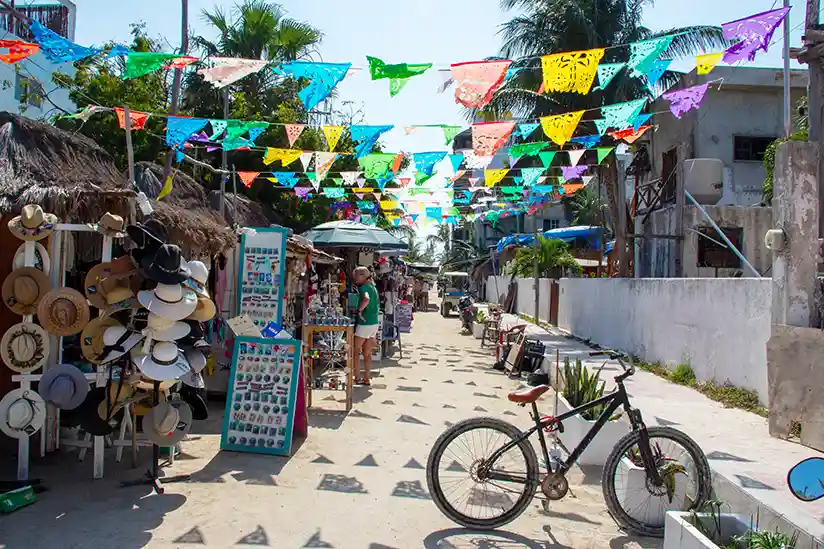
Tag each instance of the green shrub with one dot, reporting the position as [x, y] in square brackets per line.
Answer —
[480, 317]
[683, 375]
[581, 387]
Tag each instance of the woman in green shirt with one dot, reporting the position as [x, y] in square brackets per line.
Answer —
[366, 324]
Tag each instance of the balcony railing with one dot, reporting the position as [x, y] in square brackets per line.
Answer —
[52, 16]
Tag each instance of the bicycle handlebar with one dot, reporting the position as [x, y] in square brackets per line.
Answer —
[613, 355]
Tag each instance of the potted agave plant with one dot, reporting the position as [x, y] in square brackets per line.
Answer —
[579, 387]
[478, 324]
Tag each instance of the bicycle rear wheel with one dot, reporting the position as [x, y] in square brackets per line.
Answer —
[634, 501]
[452, 473]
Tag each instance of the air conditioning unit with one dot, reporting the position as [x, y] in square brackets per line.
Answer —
[704, 179]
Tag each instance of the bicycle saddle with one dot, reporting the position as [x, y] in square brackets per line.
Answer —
[528, 395]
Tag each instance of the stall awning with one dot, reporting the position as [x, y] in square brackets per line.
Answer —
[592, 235]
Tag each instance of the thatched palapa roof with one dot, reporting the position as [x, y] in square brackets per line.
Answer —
[67, 174]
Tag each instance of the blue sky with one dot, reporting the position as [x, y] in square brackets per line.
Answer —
[417, 31]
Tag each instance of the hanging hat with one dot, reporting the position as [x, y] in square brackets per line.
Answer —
[65, 386]
[161, 329]
[22, 413]
[163, 362]
[167, 423]
[170, 301]
[200, 410]
[110, 225]
[146, 384]
[204, 311]
[120, 298]
[63, 312]
[166, 266]
[199, 278]
[195, 338]
[117, 342]
[197, 360]
[150, 234]
[105, 277]
[91, 339]
[32, 223]
[41, 258]
[194, 380]
[88, 417]
[24, 347]
[120, 395]
[23, 289]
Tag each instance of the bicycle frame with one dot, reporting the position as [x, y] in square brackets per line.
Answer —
[615, 400]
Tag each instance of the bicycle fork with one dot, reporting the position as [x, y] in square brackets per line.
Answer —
[644, 448]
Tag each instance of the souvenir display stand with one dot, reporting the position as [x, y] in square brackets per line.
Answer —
[261, 276]
[264, 402]
[334, 363]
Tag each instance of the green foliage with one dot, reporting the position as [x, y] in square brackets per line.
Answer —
[553, 260]
[586, 208]
[417, 253]
[767, 540]
[683, 375]
[480, 316]
[802, 121]
[581, 387]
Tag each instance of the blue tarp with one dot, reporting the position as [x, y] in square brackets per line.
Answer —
[567, 234]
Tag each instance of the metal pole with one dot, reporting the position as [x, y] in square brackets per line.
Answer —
[537, 274]
[224, 162]
[814, 95]
[788, 124]
[722, 235]
[129, 147]
[184, 48]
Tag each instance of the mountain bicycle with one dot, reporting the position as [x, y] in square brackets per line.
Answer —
[642, 478]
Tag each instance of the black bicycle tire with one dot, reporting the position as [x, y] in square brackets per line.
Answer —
[433, 483]
[608, 477]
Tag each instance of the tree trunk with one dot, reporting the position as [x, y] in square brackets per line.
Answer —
[608, 174]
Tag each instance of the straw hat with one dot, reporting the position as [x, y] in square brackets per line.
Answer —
[32, 223]
[65, 386]
[170, 301]
[105, 277]
[24, 347]
[162, 329]
[22, 413]
[205, 310]
[91, 339]
[41, 258]
[63, 312]
[167, 423]
[120, 395]
[110, 225]
[199, 278]
[117, 341]
[23, 289]
[164, 362]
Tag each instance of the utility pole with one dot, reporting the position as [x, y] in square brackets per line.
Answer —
[788, 115]
[184, 50]
[812, 55]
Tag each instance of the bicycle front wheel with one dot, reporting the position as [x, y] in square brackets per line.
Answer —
[635, 501]
[460, 487]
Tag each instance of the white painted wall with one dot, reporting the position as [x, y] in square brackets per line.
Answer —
[719, 325]
[526, 294]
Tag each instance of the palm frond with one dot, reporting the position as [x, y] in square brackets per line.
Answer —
[694, 40]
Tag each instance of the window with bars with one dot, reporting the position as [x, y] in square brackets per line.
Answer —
[713, 252]
[27, 91]
[750, 149]
[550, 224]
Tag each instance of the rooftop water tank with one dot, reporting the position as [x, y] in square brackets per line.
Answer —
[704, 179]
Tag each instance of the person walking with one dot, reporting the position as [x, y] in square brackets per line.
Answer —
[366, 323]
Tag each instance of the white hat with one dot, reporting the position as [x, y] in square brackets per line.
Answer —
[194, 379]
[118, 341]
[22, 413]
[171, 301]
[165, 362]
[197, 360]
[41, 258]
[199, 277]
[167, 423]
[163, 329]
[65, 386]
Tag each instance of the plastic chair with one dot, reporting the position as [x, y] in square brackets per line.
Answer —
[392, 333]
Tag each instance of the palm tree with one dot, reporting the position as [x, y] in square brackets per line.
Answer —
[416, 253]
[554, 26]
[256, 29]
[553, 260]
[440, 238]
[402, 231]
[586, 207]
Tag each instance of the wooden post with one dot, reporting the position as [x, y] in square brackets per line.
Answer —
[129, 147]
[680, 200]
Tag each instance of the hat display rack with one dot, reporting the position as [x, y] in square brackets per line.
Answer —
[151, 306]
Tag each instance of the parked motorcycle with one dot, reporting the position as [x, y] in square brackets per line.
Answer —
[465, 306]
[806, 479]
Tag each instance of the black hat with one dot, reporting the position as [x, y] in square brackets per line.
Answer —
[88, 417]
[151, 234]
[191, 396]
[195, 338]
[166, 265]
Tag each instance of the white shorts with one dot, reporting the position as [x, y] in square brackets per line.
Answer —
[366, 331]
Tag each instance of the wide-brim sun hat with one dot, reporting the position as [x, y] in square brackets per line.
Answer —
[166, 265]
[91, 338]
[171, 301]
[65, 386]
[32, 223]
[63, 312]
[106, 276]
[149, 234]
[167, 423]
[22, 413]
[194, 380]
[199, 277]
[24, 347]
[162, 329]
[23, 289]
[117, 342]
[110, 225]
[204, 311]
[42, 261]
[88, 417]
[164, 362]
[200, 410]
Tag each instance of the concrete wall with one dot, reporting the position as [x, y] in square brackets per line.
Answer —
[658, 257]
[719, 325]
[525, 303]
